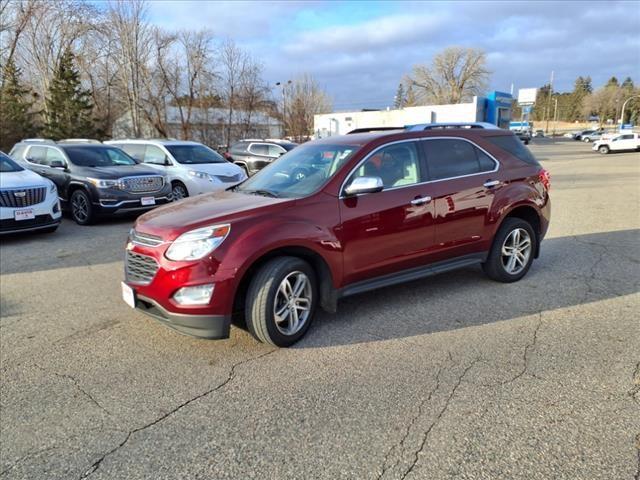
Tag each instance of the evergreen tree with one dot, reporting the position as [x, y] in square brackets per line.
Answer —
[16, 116]
[400, 99]
[612, 82]
[627, 84]
[575, 105]
[68, 105]
[410, 98]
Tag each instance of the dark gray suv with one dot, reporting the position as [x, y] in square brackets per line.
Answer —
[254, 154]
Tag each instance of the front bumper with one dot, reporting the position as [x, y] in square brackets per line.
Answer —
[202, 326]
[126, 205]
[47, 215]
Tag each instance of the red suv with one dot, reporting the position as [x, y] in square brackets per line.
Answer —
[337, 217]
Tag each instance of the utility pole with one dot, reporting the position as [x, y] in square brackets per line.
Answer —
[549, 101]
[555, 116]
[624, 106]
[283, 85]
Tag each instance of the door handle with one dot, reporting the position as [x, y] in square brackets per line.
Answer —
[491, 183]
[420, 200]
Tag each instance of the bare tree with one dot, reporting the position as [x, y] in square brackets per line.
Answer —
[233, 66]
[455, 75]
[253, 94]
[133, 34]
[305, 99]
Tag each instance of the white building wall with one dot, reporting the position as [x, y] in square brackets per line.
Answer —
[341, 123]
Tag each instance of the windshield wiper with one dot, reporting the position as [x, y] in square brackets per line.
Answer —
[264, 193]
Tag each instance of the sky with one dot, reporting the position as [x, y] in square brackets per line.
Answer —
[360, 51]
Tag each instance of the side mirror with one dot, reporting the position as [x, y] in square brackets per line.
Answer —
[361, 185]
[167, 162]
[57, 164]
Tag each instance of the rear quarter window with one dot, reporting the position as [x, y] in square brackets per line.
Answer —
[514, 146]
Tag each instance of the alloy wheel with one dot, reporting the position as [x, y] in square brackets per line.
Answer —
[292, 305]
[80, 208]
[516, 250]
[178, 192]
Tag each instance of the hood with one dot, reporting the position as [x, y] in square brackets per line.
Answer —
[117, 171]
[23, 179]
[226, 169]
[172, 220]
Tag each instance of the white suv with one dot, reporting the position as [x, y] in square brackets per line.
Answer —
[192, 168]
[617, 143]
[27, 201]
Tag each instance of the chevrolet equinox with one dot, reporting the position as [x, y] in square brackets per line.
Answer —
[336, 217]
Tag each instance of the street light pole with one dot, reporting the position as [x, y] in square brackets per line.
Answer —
[549, 101]
[555, 116]
[623, 107]
[283, 85]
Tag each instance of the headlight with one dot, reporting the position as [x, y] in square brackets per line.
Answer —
[203, 176]
[101, 183]
[195, 244]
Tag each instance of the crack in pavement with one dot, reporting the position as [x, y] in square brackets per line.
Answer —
[400, 445]
[634, 393]
[592, 270]
[444, 409]
[77, 385]
[637, 476]
[230, 376]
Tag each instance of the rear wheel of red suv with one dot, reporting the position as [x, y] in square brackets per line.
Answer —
[512, 251]
[281, 301]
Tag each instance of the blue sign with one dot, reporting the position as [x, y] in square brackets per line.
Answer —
[626, 126]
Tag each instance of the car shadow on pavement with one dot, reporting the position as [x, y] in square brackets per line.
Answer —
[570, 271]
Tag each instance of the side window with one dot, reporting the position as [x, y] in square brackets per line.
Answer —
[53, 154]
[135, 151]
[486, 162]
[154, 155]
[37, 155]
[449, 158]
[259, 149]
[275, 151]
[397, 165]
[626, 137]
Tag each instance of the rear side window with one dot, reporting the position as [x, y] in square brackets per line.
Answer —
[511, 144]
[259, 149]
[448, 158]
[135, 151]
[17, 152]
[37, 155]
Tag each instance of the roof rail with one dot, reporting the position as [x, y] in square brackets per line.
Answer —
[446, 125]
[79, 140]
[37, 140]
[373, 129]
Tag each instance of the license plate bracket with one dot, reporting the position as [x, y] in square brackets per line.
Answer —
[148, 201]
[24, 214]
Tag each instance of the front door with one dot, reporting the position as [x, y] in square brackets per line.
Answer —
[391, 230]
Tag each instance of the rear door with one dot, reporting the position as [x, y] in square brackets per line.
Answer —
[391, 230]
[462, 182]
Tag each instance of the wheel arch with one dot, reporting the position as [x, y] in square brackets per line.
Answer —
[73, 186]
[529, 214]
[328, 293]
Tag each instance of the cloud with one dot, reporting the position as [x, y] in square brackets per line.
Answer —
[359, 51]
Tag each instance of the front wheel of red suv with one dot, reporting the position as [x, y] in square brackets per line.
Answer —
[281, 301]
[512, 251]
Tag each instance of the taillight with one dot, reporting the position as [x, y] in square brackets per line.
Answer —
[545, 178]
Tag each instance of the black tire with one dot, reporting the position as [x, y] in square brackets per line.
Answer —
[603, 149]
[261, 300]
[494, 266]
[81, 208]
[178, 191]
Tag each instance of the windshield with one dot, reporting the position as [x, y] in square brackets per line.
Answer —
[8, 165]
[299, 172]
[194, 154]
[85, 156]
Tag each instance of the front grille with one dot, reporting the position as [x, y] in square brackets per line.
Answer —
[10, 224]
[143, 184]
[229, 178]
[145, 239]
[140, 268]
[22, 197]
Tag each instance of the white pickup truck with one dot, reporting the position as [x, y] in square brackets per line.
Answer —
[617, 143]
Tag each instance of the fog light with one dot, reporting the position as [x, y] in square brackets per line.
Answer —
[198, 295]
[56, 207]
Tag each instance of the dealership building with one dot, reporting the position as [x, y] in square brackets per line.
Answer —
[494, 108]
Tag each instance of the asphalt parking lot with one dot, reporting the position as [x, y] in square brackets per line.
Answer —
[454, 376]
